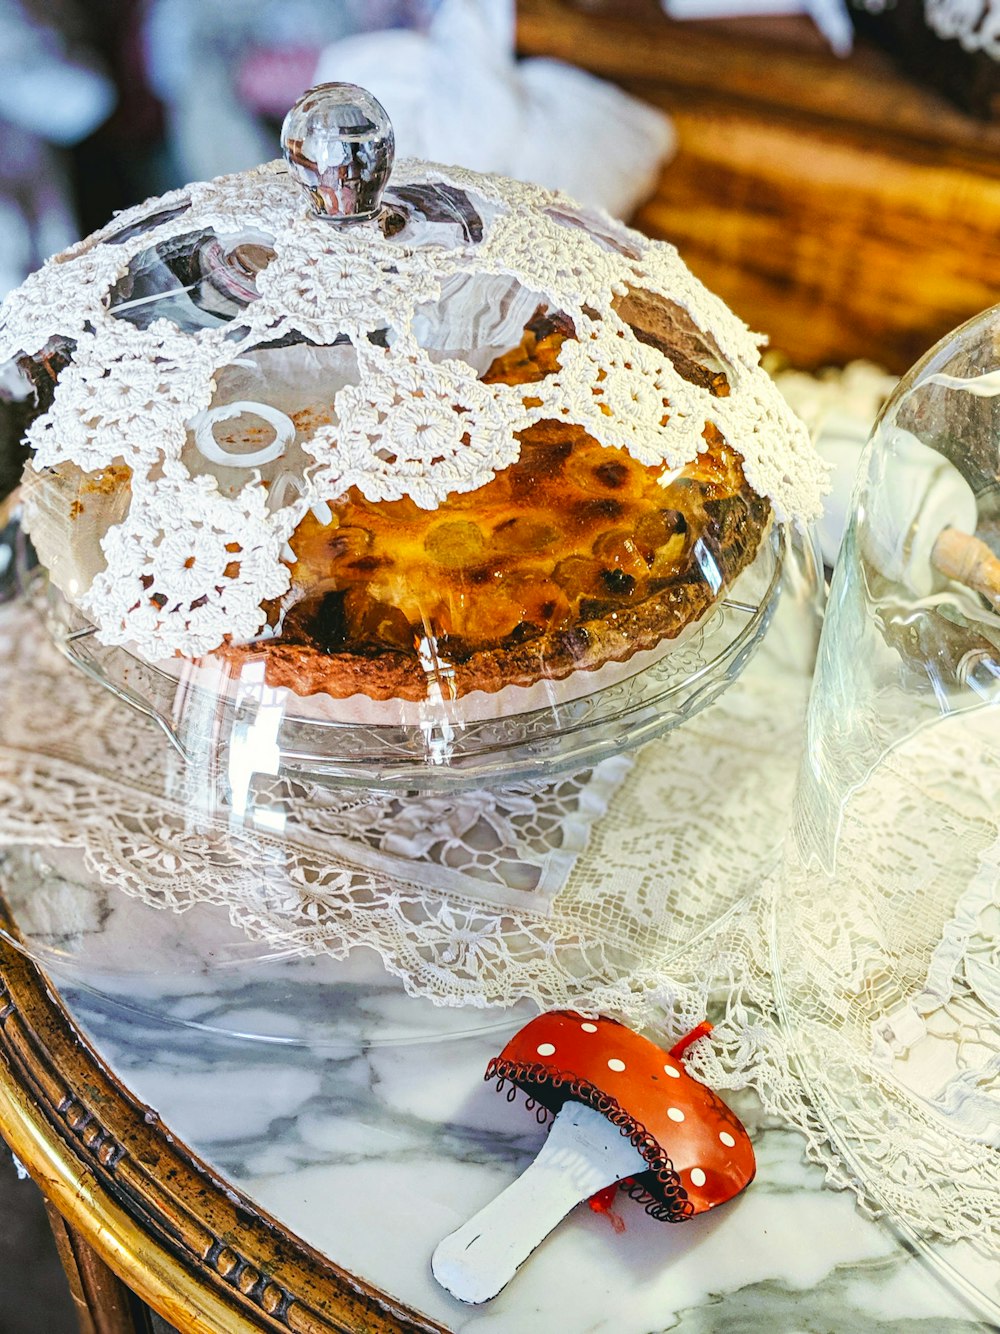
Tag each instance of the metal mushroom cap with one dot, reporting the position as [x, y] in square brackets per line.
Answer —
[699, 1154]
[625, 1112]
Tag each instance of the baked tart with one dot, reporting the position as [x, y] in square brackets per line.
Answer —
[573, 557]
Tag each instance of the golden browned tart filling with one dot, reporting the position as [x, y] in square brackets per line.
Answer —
[573, 557]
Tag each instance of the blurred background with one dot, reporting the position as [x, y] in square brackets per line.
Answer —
[830, 167]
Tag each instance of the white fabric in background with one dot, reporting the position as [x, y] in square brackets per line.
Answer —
[832, 17]
[457, 95]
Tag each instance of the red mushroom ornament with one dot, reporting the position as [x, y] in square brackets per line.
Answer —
[624, 1108]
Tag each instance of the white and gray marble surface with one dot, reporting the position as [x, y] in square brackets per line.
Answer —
[364, 1125]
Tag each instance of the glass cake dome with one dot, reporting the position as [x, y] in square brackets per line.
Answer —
[396, 524]
[887, 933]
[423, 478]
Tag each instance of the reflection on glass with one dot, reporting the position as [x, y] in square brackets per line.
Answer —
[888, 929]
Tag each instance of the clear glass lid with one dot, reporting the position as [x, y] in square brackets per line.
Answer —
[410, 456]
[110, 953]
[386, 522]
[888, 927]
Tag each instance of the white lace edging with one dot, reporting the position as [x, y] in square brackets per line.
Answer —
[643, 909]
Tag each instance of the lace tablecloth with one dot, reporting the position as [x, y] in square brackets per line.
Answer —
[647, 887]
[579, 890]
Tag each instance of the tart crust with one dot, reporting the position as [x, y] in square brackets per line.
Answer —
[385, 674]
[574, 557]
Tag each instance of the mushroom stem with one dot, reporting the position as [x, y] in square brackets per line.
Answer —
[583, 1153]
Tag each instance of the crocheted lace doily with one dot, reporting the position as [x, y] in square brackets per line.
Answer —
[397, 328]
[975, 24]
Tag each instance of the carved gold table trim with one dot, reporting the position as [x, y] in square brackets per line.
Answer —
[206, 1258]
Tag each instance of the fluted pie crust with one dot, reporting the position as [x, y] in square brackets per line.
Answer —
[573, 557]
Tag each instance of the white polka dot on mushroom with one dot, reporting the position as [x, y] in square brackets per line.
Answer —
[675, 1114]
[697, 1176]
[615, 1064]
[672, 1071]
[546, 1049]
[589, 1028]
[727, 1139]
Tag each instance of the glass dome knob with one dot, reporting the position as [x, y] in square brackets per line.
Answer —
[338, 142]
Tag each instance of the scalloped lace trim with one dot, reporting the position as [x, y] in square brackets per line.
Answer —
[621, 932]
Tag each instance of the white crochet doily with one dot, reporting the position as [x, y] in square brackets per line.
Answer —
[974, 23]
[397, 329]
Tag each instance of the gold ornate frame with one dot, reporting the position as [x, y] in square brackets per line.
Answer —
[199, 1253]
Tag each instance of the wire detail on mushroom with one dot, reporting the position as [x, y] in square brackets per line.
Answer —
[674, 1206]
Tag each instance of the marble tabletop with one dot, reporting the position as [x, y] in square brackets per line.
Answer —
[359, 1118]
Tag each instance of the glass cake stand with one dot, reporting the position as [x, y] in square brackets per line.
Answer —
[441, 744]
[142, 880]
[491, 466]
